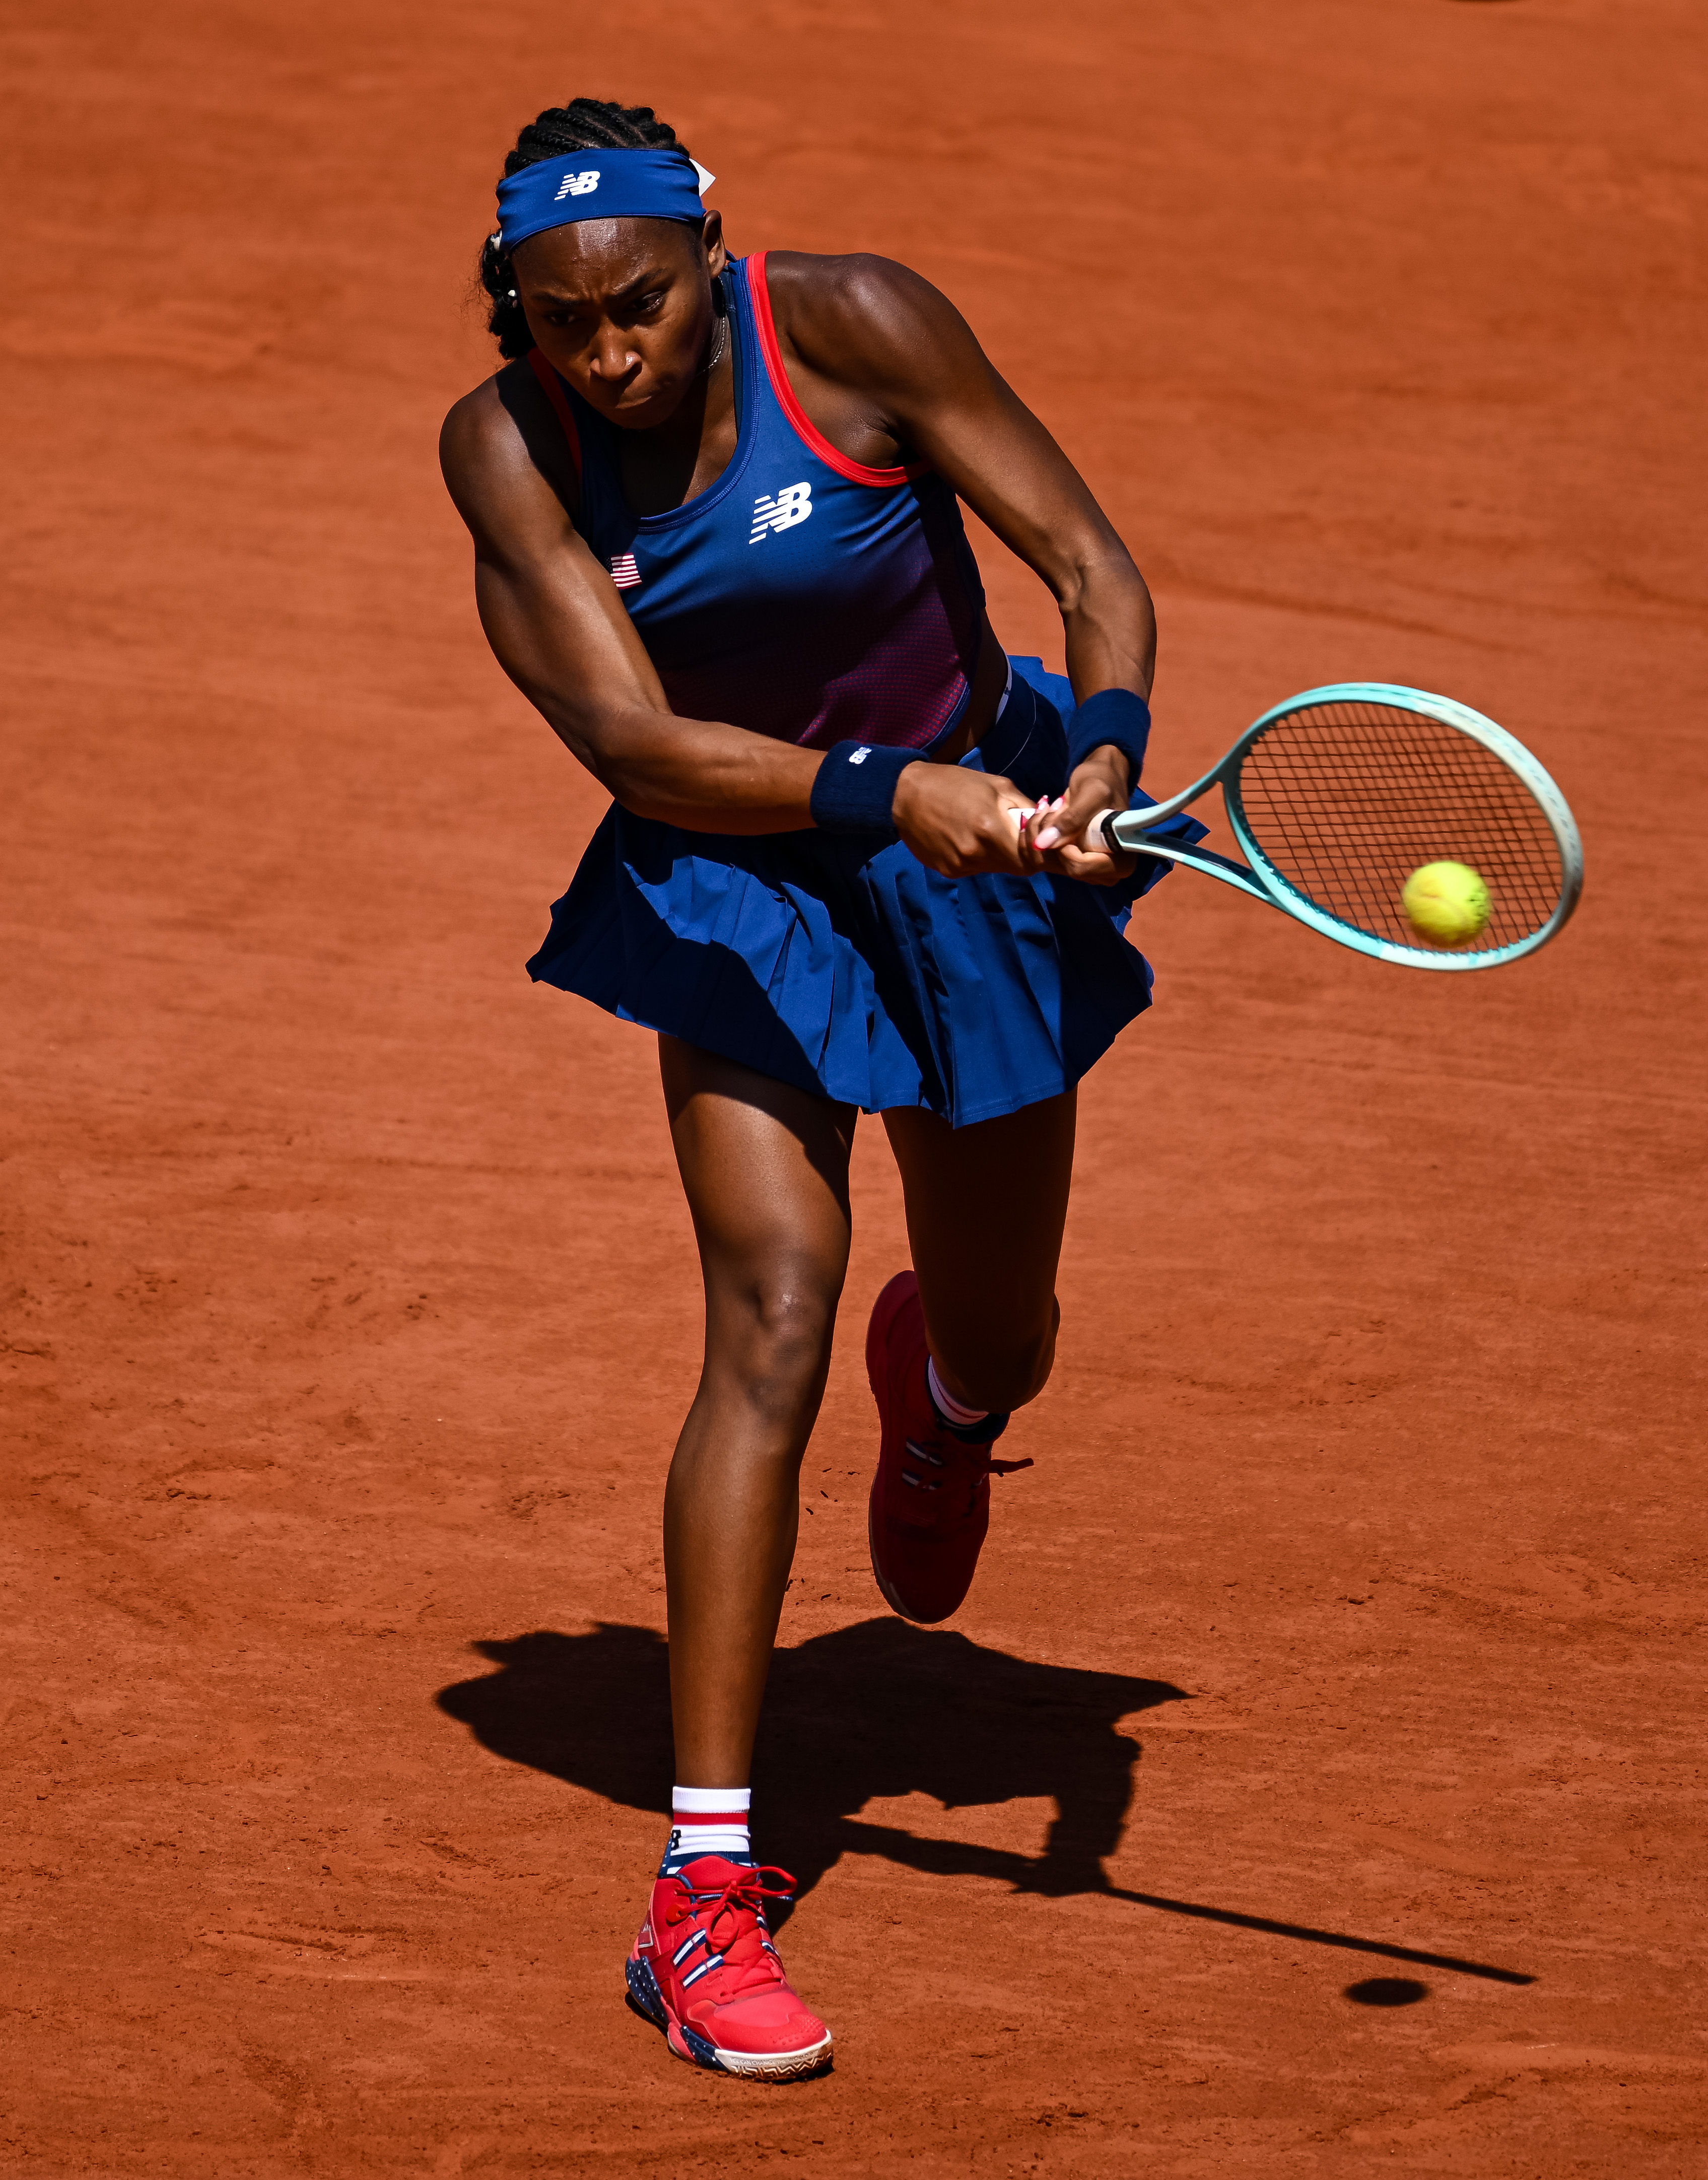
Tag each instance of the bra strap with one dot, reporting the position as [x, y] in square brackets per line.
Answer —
[805, 430]
[553, 388]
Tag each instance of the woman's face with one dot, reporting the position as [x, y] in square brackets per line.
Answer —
[623, 308]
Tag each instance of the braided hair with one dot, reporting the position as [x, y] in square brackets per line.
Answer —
[585, 125]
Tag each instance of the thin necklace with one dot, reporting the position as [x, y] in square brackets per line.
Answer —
[718, 347]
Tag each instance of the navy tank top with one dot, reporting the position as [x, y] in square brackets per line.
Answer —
[803, 596]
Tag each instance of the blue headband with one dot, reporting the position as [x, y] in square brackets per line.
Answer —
[626, 185]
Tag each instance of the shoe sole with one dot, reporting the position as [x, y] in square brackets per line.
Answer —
[646, 1999]
[889, 1596]
[877, 1342]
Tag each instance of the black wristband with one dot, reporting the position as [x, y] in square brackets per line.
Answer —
[1114, 718]
[856, 785]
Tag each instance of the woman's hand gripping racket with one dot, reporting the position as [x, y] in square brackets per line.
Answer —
[1404, 825]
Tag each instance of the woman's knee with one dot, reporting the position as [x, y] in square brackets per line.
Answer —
[771, 1332]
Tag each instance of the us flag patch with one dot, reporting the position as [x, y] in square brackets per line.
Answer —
[624, 572]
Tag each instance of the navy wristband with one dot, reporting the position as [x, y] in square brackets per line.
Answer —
[855, 786]
[1115, 717]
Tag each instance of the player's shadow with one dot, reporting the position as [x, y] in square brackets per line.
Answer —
[883, 1708]
[878, 1709]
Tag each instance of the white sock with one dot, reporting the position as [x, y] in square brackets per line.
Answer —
[947, 1407]
[707, 1820]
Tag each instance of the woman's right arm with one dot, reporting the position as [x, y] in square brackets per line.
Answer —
[557, 627]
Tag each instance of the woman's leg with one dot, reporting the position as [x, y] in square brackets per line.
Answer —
[986, 1205]
[966, 1337]
[765, 1168]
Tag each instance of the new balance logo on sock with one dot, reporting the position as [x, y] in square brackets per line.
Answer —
[793, 504]
[706, 1820]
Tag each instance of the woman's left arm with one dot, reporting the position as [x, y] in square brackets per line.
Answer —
[876, 331]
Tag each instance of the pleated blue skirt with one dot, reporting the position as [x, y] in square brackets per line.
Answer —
[850, 970]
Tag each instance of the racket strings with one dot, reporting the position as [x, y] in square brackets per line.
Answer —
[1346, 799]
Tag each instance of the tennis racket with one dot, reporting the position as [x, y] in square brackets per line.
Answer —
[1337, 796]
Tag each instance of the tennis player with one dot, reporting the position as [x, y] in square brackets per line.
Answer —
[847, 867]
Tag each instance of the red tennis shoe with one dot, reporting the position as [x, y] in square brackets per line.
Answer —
[930, 1504]
[705, 1971]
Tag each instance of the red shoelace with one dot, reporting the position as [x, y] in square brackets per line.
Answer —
[737, 1902]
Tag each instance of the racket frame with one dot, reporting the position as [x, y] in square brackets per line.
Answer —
[1125, 829]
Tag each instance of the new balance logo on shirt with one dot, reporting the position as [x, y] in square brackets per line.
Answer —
[793, 504]
[578, 185]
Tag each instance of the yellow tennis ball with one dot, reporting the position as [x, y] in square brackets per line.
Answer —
[1446, 903]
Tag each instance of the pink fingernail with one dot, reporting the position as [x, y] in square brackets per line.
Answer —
[1047, 838]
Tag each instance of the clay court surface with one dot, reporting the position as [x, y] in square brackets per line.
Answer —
[1349, 1626]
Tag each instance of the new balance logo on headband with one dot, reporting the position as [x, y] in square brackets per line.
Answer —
[793, 504]
[578, 185]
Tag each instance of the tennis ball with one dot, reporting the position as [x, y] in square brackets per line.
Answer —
[1446, 903]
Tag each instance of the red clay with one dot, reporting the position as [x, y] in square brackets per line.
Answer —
[1352, 1611]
